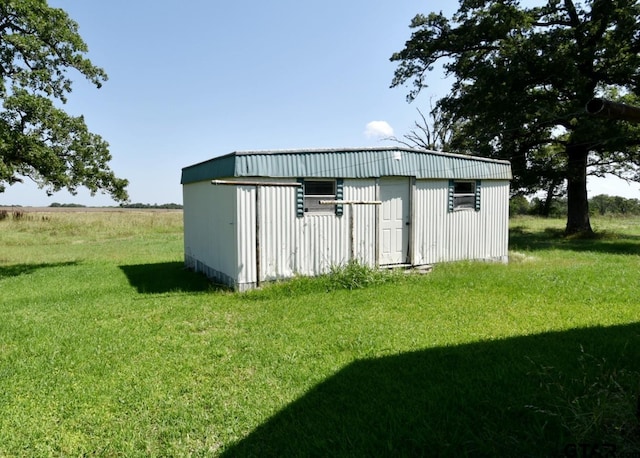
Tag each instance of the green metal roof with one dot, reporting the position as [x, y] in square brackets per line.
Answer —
[348, 163]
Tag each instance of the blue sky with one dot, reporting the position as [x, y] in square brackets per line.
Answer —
[191, 80]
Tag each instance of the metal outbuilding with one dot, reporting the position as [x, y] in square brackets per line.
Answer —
[257, 216]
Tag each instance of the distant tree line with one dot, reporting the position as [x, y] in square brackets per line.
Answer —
[601, 205]
[59, 205]
[171, 206]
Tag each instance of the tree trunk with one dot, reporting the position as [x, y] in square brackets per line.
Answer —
[578, 204]
[546, 209]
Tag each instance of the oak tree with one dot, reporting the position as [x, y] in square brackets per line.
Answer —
[522, 76]
[40, 47]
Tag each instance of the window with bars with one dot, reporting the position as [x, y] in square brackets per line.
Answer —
[313, 191]
[317, 190]
[464, 195]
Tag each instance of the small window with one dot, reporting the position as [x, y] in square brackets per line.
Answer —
[464, 195]
[317, 190]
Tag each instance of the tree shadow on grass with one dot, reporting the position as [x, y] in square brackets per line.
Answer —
[552, 238]
[15, 270]
[166, 277]
[524, 396]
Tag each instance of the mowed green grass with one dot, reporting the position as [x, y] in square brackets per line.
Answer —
[108, 347]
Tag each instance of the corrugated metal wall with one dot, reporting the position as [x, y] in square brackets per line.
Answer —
[309, 245]
[221, 230]
[442, 236]
[278, 235]
[209, 230]
[324, 241]
[245, 268]
[364, 219]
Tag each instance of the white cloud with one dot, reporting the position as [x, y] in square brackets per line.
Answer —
[378, 129]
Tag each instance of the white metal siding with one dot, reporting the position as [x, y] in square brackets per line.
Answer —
[466, 234]
[246, 236]
[495, 195]
[364, 219]
[220, 230]
[278, 237]
[209, 230]
[324, 242]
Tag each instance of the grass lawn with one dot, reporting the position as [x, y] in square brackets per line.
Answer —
[109, 348]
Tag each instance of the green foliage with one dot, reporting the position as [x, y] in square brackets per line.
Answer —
[38, 47]
[518, 205]
[614, 205]
[352, 275]
[355, 275]
[556, 208]
[601, 205]
[522, 77]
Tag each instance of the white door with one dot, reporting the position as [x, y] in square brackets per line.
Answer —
[394, 220]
